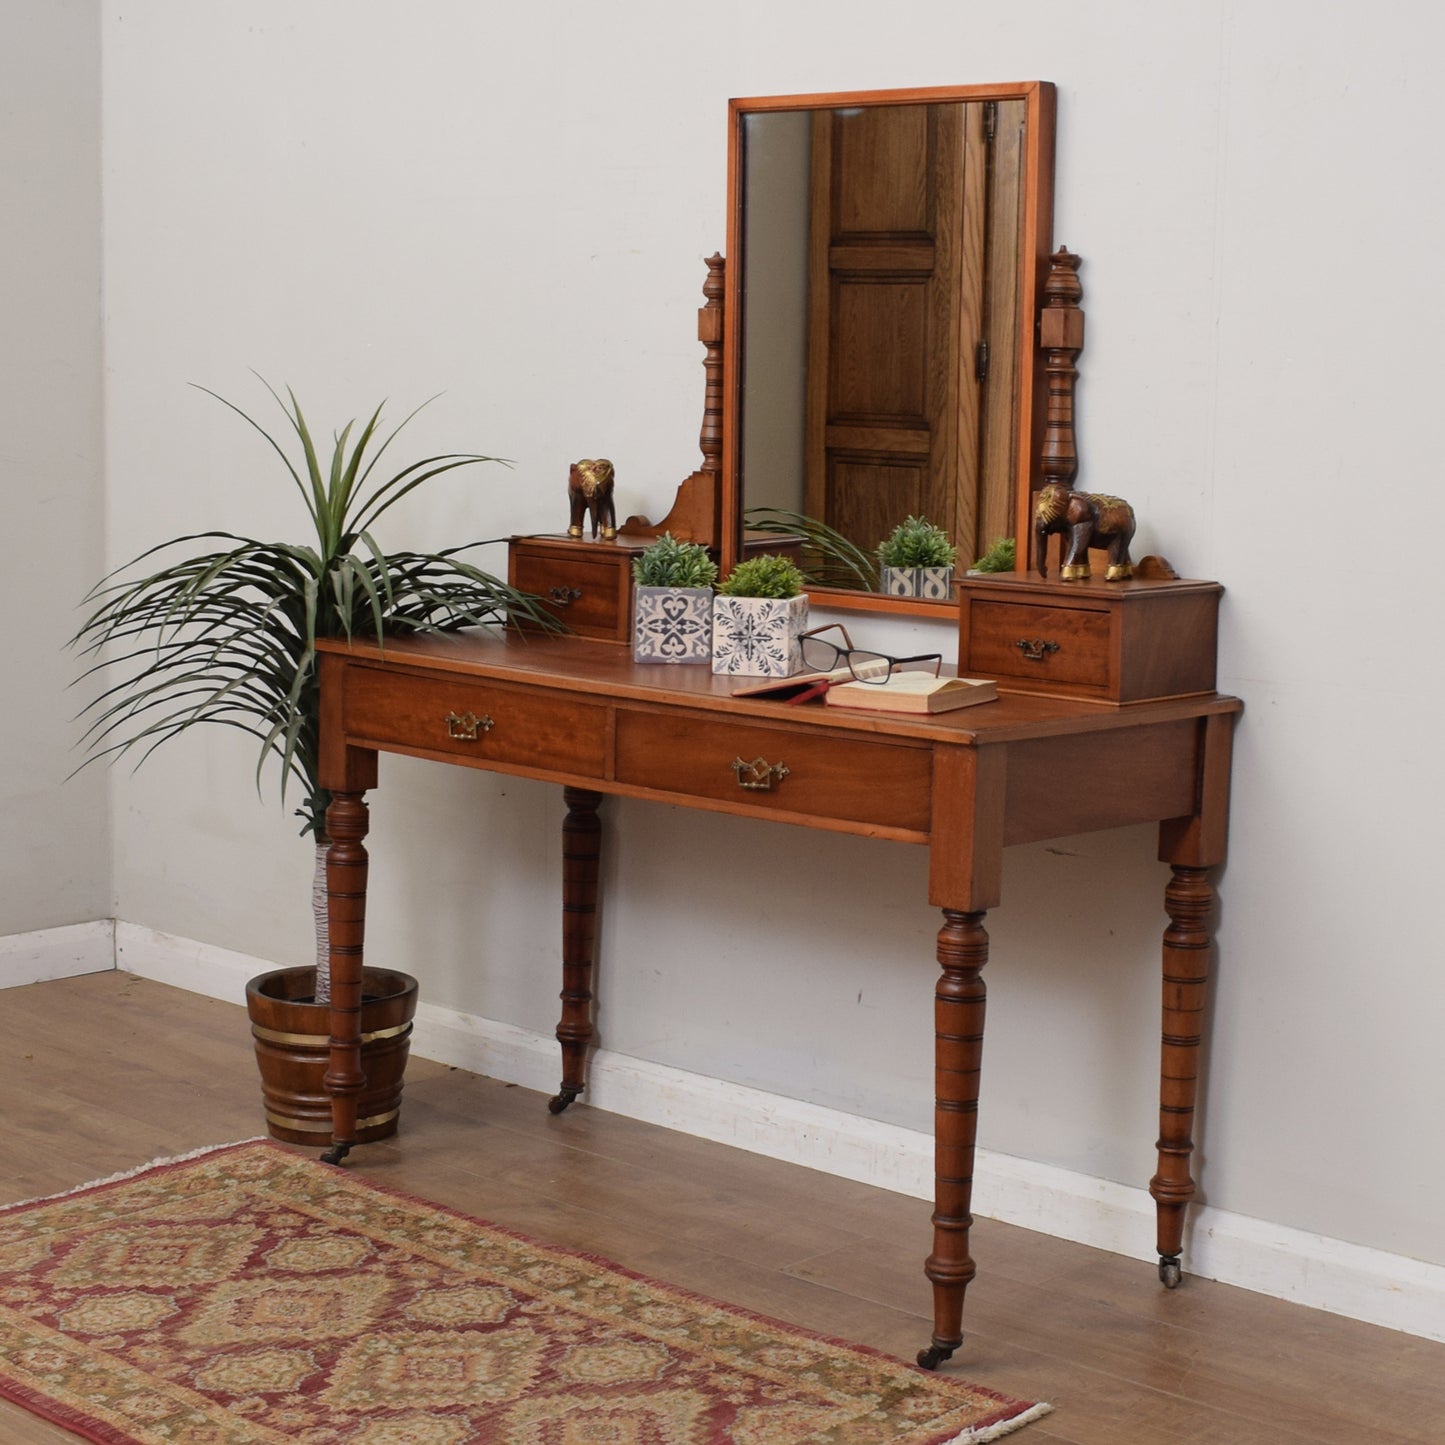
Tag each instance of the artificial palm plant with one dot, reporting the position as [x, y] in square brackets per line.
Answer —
[214, 627]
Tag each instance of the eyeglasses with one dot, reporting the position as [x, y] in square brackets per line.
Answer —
[821, 654]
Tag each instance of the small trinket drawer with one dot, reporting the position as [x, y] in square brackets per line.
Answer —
[1114, 642]
[586, 585]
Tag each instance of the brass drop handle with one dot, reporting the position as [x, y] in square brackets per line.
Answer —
[759, 775]
[1037, 649]
[565, 596]
[465, 725]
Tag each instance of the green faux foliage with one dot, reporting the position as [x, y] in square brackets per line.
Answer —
[826, 557]
[670, 563]
[916, 542]
[999, 557]
[765, 576]
[219, 628]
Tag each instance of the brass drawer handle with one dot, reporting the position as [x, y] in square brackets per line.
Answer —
[565, 596]
[1036, 650]
[464, 726]
[759, 775]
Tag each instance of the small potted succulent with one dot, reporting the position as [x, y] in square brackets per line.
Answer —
[758, 616]
[916, 560]
[672, 614]
[1000, 557]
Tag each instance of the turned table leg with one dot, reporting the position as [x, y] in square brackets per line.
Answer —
[1188, 942]
[958, 1055]
[581, 849]
[1192, 846]
[346, 864]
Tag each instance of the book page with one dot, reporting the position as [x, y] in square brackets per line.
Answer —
[919, 684]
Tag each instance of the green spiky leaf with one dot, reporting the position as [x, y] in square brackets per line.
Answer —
[218, 627]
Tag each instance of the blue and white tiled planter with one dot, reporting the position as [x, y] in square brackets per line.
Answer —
[758, 636]
[672, 624]
[934, 583]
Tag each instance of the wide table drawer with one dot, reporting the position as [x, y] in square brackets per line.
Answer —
[485, 721]
[777, 769]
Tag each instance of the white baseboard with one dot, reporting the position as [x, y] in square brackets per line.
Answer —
[51, 953]
[183, 963]
[1291, 1264]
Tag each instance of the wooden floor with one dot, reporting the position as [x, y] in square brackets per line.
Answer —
[103, 1073]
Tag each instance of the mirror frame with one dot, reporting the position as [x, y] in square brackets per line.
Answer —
[1035, 243]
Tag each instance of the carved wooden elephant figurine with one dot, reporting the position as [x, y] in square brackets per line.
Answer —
[589, 485]
[1084, 519]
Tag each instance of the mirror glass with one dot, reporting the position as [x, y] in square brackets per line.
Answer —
[885, 253]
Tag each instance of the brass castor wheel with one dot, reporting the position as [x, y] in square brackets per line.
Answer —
[1169, 1272]
[561, 1099]
[336, 1153]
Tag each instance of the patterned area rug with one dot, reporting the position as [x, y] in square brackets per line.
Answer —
[249, 1296]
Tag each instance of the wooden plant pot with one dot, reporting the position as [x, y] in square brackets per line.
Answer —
[292, 1037]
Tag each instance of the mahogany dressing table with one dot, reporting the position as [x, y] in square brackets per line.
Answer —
[1127, 735]
[965, 785]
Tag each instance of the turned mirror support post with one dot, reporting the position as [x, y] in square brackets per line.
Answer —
[710, 333]
[1061, 335]
[1061, 339]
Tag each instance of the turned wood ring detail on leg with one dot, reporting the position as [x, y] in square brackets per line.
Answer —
[958, 1054]
[581, 852]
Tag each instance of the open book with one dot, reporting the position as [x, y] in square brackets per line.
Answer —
[912, 692]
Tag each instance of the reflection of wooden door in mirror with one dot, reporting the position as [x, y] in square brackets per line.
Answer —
[887, 252]
[902, 296]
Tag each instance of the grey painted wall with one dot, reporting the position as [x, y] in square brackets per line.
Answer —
[54, 835]
[512, 204]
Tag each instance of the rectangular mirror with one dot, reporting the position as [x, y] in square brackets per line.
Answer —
[886, 251]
